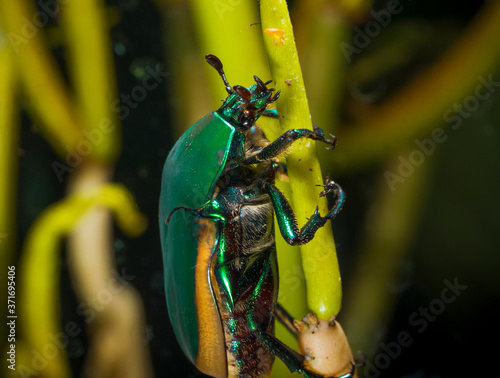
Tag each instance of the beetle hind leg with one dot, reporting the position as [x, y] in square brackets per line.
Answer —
[286, 319]
[293, 360]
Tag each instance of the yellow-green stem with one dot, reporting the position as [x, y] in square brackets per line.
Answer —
[38, 273]
[47, 95]
[91, 68]
[319, 256]
[229, 32]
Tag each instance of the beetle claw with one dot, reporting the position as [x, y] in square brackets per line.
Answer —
[329, 186]
[332, 142]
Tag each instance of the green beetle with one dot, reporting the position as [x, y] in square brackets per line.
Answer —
[216, 222]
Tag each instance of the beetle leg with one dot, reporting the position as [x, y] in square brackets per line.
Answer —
[285, 318]
[293, 360]
[287, 221]
[271, 113]
[332, 142]
[284, 141]
[183, 208]
[332, 187]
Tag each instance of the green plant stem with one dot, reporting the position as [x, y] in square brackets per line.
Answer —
[229, 32]
[319, 256]
[38, 72]
[92, 70]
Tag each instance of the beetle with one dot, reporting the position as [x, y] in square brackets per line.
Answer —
[217, 204]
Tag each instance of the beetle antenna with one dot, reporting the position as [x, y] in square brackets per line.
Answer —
[243, 93]
[276, 96]
[217, 64]
[262, 86]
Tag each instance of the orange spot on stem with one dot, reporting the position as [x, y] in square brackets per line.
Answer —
[276, 34]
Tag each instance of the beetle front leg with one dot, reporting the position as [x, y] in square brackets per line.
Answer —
[284, 141]
[287, 221]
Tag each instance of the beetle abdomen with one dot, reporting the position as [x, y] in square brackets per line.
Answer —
[246, 355]
[245, 281]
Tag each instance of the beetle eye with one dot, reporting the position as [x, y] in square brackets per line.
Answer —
[246, 118]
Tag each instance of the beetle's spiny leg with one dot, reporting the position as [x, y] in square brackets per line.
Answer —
[332, 142]
[282, 143]
[286, 319]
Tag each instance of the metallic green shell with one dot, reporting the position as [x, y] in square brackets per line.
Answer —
[179, 274]
[193, 166]
[195, 163]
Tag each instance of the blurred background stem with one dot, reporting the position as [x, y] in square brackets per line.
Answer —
[38, 72]
[83, 129]
[9, 149]
[391, 224]
[413, 110]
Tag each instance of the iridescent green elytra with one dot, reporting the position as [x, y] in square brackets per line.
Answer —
[217, 204]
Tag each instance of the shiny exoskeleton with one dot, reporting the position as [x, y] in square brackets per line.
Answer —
[232, 233]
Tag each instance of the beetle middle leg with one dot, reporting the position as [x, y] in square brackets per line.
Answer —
[287, 221]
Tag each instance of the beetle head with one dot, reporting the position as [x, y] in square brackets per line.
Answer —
[243, 105]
